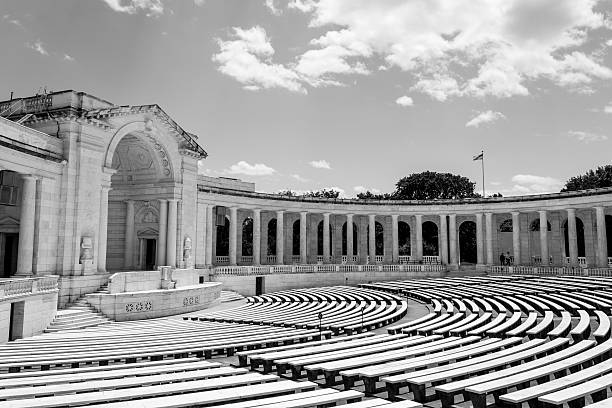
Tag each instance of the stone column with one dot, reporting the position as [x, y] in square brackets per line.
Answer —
[479, 241]
[372, 237]
[163, 231]
[256, 236]
[572, 238]
[394, 238]
[171, 235]
[489, 238]
[443, 240]
[210, 230]
[280, 238]
[326, 238]
[349, 236]
[419, 237]
[27, 218]
[232, 235]
[128, 261]
[516, 237]
[452, 232]
[303, 238]
[103, 228]
[544, 237]
[602, 239]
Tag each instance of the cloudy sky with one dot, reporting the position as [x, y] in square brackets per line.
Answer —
[352, 94]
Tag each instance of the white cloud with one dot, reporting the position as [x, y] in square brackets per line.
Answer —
[362, 189]
[530, 184]
[199, 2]
[338, 189]
[586, 137]
[257, 169]
[472, 48]
[484, 117]
[11, 20]
[320, 164]
[152, 8]
[608, 109]
[404, 101]
[247, 58]
[38, 47]
[68, 58]
[272, 7]
[299, 178]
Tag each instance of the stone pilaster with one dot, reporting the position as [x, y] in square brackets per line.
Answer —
[394, 238]
[233, 235]
[162, 232]
[489, 238]
[419, 237]
[479, 241]
[171, 235]
[516, 237]
[602, 239]
[372, 237]
[349, 235]
[544, 237]
[128, 261]
[280, 237]
[303, 237]
[452, 240]
[572, 238]
[210, 231]
[326, 254]
[27, 221]
[443, 240]
[256, 236]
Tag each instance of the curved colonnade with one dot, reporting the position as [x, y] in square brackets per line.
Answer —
[245, 228]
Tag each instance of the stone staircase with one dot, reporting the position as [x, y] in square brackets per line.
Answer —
[229, 296]
[78, 315]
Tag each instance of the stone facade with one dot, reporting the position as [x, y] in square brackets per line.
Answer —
[97, 188]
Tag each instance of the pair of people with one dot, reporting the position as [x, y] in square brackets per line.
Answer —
[504, 259]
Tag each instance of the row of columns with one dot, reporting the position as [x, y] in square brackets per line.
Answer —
[448, 241]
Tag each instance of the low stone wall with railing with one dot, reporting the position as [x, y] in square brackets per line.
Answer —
[549, 270]
[27, 306]
[291, 269]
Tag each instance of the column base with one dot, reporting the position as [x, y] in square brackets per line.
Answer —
[452, 267]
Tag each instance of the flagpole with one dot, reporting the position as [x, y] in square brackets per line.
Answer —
[483, 177]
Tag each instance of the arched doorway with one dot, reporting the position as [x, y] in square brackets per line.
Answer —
[142, 174]
[379, 238]
[222, 245]
[247, 237]
[272, 237]
[430, 239]
[579, 238]
[403, 239]
[320, 239]
[355, 235]
[296, 238]
[467, 242]
[10, 211]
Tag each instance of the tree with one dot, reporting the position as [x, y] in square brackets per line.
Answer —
[598, 178]
[325, 193]
[368, 195]
[430, 185]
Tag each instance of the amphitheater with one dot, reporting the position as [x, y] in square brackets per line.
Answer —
[130, 280]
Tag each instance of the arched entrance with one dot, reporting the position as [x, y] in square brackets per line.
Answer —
[579, 238]
[467, 242]
[320, 239]
[247, 237]
[379, 238]
[10, 210]
[272, 237]
[355, 235]
[141, 176]
[430, 239]
[222, 245]
[403, 241]
[295, 242]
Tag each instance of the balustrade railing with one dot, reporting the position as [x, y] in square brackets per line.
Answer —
[288, 269]
[296, 259]
[28, 286]
[246, 259]
[431, 259]
[221, 259]
[610, 261]
[271, 259]
[582, 261]
[404, 259]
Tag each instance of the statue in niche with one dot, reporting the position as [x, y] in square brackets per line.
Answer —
[149, 217]
[86, 255]
[187, 252]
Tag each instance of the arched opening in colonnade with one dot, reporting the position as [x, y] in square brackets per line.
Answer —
[142, 176]
[504, 239]
[247, 237]
[467, 242]
[579, 238]
[10, 213]
[320, 239]
[355, 237]
[430, 239]
[222, 244]
[379, 238]
[534, 238]
[295, 241]
[609, 234]
[403, 239]
[272, 237]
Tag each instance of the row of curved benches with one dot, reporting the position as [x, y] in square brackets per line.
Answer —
[340, 309]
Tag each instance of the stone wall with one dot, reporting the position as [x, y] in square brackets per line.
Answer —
[73, 287]
[32, 314]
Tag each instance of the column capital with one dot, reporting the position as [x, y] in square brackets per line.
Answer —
[163, 200]
[371, 216]
[542, 212]
[304, 212]
[571, 211]
[280, 211]
[35, 177]
[326, 215]
[515, 212]
[256, 210]
[395, 216]
[418, 216]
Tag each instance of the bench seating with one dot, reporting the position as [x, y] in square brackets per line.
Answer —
[479, 386]
[371, 374]
[563, 327]
[543, 327]
[603, 330]
[419, 379]
[397, 328]
[596, 388]
[583, 329]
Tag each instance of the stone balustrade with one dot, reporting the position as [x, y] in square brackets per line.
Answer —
[28, 286]
[284, 269]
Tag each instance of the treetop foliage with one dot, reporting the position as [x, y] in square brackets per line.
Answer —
[599, 178]
[324, 193]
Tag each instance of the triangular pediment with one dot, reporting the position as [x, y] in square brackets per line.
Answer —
[9, 221]
[148, 232]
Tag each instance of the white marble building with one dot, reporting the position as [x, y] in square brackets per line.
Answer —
[89, 187]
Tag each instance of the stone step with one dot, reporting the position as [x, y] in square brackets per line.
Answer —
[74, 327]
[75, 320]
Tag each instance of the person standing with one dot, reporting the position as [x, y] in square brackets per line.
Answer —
[502, 259]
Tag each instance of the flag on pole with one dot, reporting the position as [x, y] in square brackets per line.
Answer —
[479, 156]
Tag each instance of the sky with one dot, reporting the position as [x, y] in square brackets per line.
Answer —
[344, 94]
